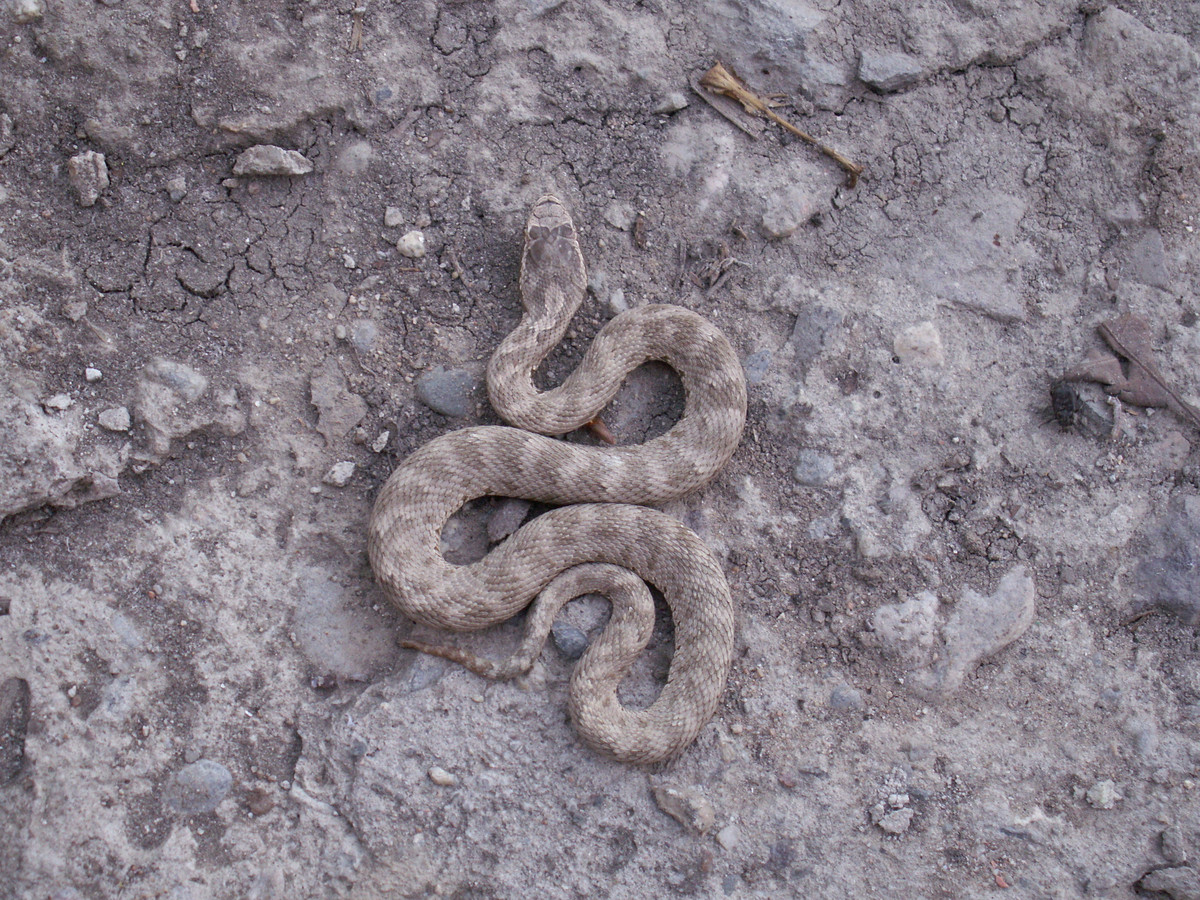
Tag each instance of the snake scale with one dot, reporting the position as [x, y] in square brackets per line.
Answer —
[601, 537]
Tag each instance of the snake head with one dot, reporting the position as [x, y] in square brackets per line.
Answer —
[552, 270]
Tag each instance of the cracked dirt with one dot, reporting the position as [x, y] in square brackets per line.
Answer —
[967, 644]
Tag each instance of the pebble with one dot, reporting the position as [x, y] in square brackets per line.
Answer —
[340, 474]
[896, 822]
[183, 380]
[568, 640]
[92, 375]
[1104, 794]
[844, 697]
[57, 403]
[814, 468]
[267, 159]
[757, 365]
[919, 345]
[889, 72]
[116, 419]
[412, 244]
[671, 103]
[8, 139]
[380, 443]
[786, 211]
[814, 329]
[729, 836]
[338, 409]
[364, 333]
[26, 11]
[393, 217]
[438, 775]
[688, 807]
[88, 174]
[199, 787]
[450, 392]
[620, 215]
[617, 303]
[176, 188]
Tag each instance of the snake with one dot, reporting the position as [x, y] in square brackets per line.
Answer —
[601, 536]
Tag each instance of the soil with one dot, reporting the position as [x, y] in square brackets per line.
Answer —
[967, 594]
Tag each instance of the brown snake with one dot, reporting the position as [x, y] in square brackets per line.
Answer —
[601, 533]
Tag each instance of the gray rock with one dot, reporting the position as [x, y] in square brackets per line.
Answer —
[338, 409]
[173, 401]
[26, 11]
[896, 822]
[671, 103]
[451, 392]
[336, 633]
[88, 174]
[115, 419]
[814, 329]
[58, 403]
[1178, 883]
[1146, 260]
[568, 640]
[176, 187]
[339, 474]
[919, 345]
[92, 375]
[814, 468]
[267, 159]
[688, 807]
[620, 215]
[393, 217]
[8, 138]
[364, 334]
[889, 72]
[198, 787]
[844, 697]
[1104, 794]
[757, 365]
[786, 211]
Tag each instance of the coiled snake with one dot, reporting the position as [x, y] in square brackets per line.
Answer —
[601, 532]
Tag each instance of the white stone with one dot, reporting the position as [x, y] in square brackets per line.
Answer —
[92, 374]
[58, 403]
[438, 775]
[115, 419]
[340, 474]
[412, 245]
[920, 345]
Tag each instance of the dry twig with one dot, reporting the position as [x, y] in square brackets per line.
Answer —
[720, 80]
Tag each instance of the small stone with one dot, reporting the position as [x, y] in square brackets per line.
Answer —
[919, 345]
[26, 11]
[729, 836]
[450, 392]
[8, 139]
[380, 443]
[888, 72]
[267, 159]
[786, 211]
[92, 375]
[88, 174]
[688, 807]
[1104, 794]
[57, 403]
[440, 776]
[340, 474]
[176, 188]
[843, 697]
[259, 802]
[115, 419]
[199, 787]
[897, 821]
[348, 261]
[671, 103]
[393, 217]
[363, 335]
[568, 640]
[180, 378]
[76, 310]
[412, 244]
[617, 303]
[339, 410]
[757, 365]
[814, 468]
[620, 215]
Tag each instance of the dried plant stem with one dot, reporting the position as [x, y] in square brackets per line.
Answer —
[720, 80]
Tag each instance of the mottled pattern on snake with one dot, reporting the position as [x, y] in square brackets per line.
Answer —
[601, 532]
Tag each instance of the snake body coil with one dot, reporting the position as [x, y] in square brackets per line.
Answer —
[602, 522]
